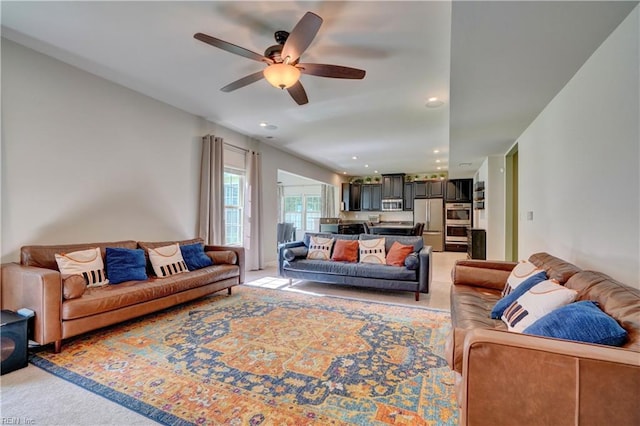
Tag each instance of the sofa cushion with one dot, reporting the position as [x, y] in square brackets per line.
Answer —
[512, 296]
[219, 257]
[108, 298]
[87, 263]
[385, 272]
[398, 253]
[364, 270]
[519, 274]
[617, 300]
[372, 251]
[345, 250]
[556, 268]
[307, 237]
[293, 252]
[321, 266]
[125, 265]
[73, 287]
[320, 248]
[44, 256]
[167, 260]
[415, 241]
[581, 321]
[535, 303]
[412, 261]
[194, 256]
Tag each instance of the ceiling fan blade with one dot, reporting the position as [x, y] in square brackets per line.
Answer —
[298, 94]
[301, 37]
[332, 71]
[244, 81]
[232, 48]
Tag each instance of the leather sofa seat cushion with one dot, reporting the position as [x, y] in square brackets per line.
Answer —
[364, 270]
[619, 301]
[111, 297]
[470, 309]
[222, 257]
[44, 256]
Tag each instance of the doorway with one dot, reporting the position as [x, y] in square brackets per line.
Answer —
[511, 203]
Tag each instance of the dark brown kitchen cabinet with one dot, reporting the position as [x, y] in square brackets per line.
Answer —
[393, 186]
[407, 204]
[459, 190]
[371, 197]
[428, 189]
[351, 196]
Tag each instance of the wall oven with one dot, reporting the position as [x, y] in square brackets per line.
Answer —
[457, 222]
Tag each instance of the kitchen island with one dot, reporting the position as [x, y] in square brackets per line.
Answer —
[391, 229]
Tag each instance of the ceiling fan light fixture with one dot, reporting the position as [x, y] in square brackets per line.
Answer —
[281, 76]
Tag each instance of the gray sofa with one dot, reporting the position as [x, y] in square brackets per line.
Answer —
[293, 264]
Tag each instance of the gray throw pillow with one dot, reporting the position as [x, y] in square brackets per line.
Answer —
[292, 252]
[412, 261]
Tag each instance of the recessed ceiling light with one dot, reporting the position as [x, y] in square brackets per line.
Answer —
[439, 168]
[437, 161]
[436, 151]
[264, 124]
[375, 171]
[354, 158]
[366, 165]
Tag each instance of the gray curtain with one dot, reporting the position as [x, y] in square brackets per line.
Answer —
[211, 208]
[253, 213]
[328, 200]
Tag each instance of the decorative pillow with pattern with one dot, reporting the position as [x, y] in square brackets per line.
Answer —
[87, 263]
[536, 303]
[372, 251]
[519, 274]
[167, 260]
[319, 248]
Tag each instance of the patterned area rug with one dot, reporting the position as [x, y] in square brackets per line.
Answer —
[270, 357]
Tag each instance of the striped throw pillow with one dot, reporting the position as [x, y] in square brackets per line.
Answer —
[167, 260]
[86, 263]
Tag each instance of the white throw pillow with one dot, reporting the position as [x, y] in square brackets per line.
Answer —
[372, 251]
[167, 260]
[519, 274]
[319, 248]
[537, 302]
[87, 263]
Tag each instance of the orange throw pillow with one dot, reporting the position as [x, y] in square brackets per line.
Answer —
[345, 250]
[398, 253]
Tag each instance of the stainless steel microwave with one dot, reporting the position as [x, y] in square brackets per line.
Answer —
[392, 205]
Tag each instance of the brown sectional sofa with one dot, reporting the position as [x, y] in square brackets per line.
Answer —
[510, 378]
[36, 283]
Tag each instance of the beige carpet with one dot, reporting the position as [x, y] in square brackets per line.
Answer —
[32, 396]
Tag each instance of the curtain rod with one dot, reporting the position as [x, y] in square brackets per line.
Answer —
[236, 147]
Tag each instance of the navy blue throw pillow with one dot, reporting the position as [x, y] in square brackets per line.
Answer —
[194, 256]
[125, 265]
[524, 286]
[582, 322]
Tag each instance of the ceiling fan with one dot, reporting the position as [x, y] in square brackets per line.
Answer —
[283, 67]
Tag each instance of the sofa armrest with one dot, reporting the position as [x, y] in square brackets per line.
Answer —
[38, 289]
[512, 378]
[281, 248]
[425, 269]
[239, 251]
[482, 273]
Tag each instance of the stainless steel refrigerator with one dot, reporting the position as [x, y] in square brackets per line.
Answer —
[431, 213]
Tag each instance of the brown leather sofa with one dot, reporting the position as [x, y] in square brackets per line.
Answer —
[36, 283]
[506, 378]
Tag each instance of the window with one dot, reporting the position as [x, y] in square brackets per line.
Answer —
[303, 211]
[233, 205]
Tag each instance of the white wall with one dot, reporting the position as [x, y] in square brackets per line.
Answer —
[579, 163]
[84, 159]
[491, 219]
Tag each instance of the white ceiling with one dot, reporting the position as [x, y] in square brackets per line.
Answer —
[494, 64]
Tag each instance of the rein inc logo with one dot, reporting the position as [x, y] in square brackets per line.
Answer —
[17, 421]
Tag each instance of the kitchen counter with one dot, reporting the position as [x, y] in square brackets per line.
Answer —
[391, 229]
